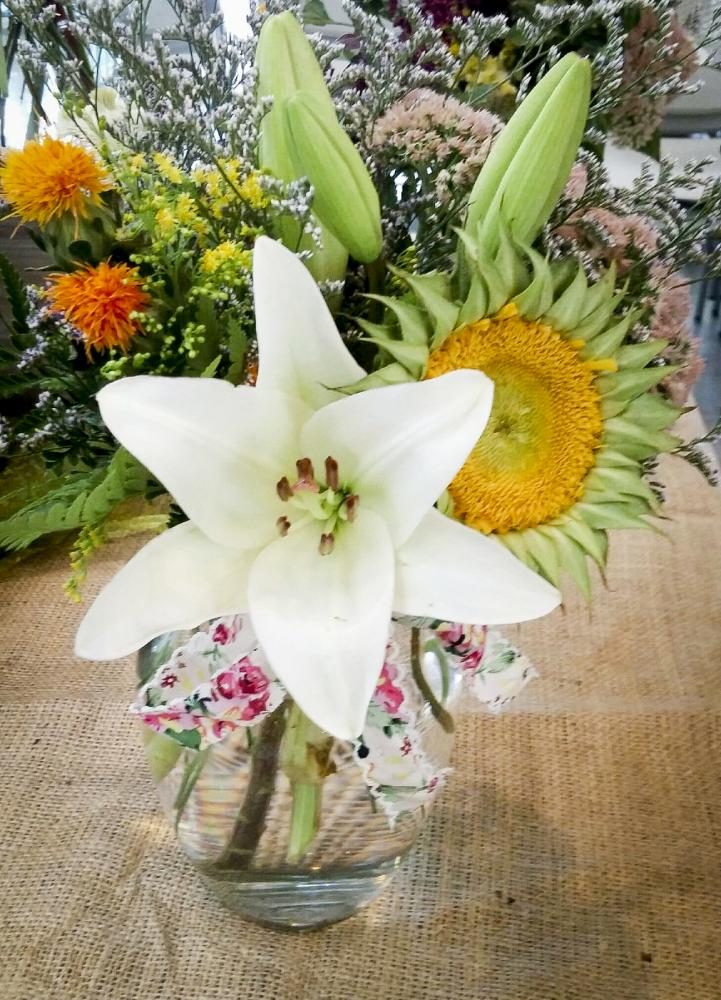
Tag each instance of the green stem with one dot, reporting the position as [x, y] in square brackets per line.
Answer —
[304, 820]
[305, 758]
[194, 765]
[442, 716]
[376, 273]
[250, 822]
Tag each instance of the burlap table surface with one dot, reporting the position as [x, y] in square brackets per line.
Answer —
[575, 853]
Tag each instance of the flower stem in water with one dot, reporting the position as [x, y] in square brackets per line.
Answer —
[250, 823]
[305, 819]
[305, 759]
[443, 717]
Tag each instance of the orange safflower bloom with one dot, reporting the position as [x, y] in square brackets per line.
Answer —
[101, 302]
[49, 178]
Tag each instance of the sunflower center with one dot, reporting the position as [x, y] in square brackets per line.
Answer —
[538, 446]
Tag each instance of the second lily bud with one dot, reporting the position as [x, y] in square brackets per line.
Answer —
[528, 167]
[345, 199]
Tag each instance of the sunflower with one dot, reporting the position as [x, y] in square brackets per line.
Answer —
[575, 414]
[48, 179]
[102, 302]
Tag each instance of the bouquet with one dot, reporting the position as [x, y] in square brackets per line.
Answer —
[642, 55]
[379, 371]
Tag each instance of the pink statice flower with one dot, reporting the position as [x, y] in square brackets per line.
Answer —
[576, 184]
[650, 59]
[609, 236]
[671, 322]
[439, 134]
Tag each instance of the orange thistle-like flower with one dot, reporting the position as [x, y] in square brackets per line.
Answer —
[49, 178]
[102, 302]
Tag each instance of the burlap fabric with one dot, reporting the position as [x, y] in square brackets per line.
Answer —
[574, 856]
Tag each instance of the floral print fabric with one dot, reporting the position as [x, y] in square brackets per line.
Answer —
[216, 682]
[219, 680]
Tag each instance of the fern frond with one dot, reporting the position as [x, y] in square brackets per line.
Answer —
[17, 296]
[85, 500]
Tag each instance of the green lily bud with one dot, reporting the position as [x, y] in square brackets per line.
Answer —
[528, 167]
[285, 63]
[345, 201]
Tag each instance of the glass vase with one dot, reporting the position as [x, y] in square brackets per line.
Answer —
[285, 824]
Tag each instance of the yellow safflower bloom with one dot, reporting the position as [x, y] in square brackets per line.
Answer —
[49, 178]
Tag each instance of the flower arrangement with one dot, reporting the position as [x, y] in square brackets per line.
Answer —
[642, 55]
[368, 362]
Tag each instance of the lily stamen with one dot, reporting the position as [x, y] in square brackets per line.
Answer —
[306, 477]
[283, 526]
[326, 544]
[284, 489]
[331, 473]
[351, 506]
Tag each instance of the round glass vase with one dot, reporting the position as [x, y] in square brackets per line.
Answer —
[291, 827]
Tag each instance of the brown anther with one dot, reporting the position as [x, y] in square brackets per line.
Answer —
[331, 473]
[305, 469]
[283, 526]
[306, 477]
[326, 544]
[284, 489]
[351, 506]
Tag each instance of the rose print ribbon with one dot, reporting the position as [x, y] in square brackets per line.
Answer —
[220, 680]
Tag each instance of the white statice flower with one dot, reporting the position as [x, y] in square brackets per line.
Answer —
[310, 509]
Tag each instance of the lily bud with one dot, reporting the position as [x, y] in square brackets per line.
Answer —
[528, 167]
[285, 63]
[345, 201]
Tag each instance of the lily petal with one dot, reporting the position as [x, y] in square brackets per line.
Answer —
[323, 621]
[300, 350]
[218, 450]
[403, 443]
[177, 581]
[448, 571]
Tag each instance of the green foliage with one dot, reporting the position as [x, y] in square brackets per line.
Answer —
[92, 538]
[16, 294]
[83, 501]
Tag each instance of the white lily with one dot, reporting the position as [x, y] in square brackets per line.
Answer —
[310, 510]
